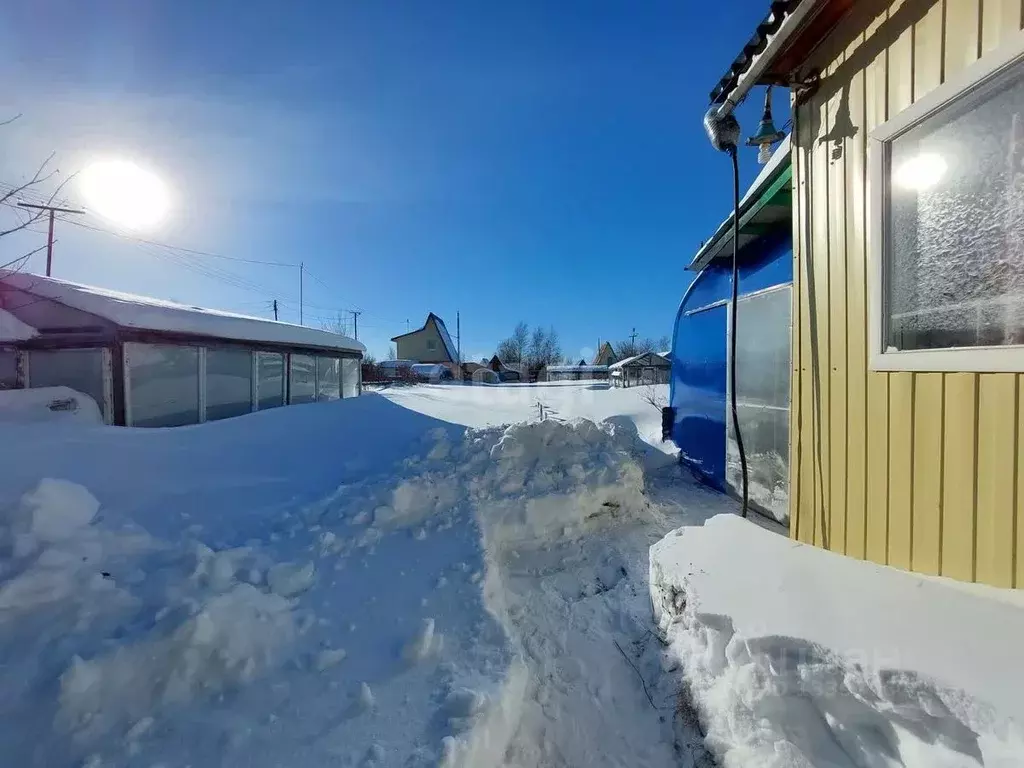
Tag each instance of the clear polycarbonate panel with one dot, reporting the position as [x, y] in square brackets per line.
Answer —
[303, 379]
[762, 395]
[350, 371]
[80, 369]
[270, 370]
[8, 369]
[228, 383]
[954, 261]
[163, 385]
[328, 378]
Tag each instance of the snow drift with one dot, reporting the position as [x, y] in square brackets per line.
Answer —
[799, 657]
[204, 596]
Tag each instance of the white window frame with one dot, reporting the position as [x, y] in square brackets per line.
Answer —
[981, 359]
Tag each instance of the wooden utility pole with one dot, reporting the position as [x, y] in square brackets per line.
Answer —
[632, 337]
[275, 309]
[49, 237]
[302, 267]
[355, 321]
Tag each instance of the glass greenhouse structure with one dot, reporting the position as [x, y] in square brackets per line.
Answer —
[153, 363]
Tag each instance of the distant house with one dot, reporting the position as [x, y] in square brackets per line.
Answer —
[429, 344]
[505, 372]
[648, 368]
[605, 355]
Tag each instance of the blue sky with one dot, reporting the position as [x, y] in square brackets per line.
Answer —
[537, 161]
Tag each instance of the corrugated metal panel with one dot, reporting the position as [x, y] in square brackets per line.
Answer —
[916, 470]
[836, 276]
[856, 320]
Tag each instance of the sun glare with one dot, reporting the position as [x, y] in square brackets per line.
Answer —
[124, 193]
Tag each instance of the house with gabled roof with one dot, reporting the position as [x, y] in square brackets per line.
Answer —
[605, 355]
[430, 344]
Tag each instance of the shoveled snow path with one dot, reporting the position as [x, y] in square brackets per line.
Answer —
[581, 611]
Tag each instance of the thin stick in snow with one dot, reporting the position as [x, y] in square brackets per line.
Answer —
[630, 662]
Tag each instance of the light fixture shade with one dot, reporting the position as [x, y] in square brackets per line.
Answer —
[766, 134]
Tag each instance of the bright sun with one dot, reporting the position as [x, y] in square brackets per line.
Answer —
[124, 193]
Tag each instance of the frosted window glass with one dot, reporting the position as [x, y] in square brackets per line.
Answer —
[955, 255]
[80, 369]
[228, 383]
[328, 384]
[164, 382]
[303, 379]
[350, 372]
[271, 374]
[762, 400]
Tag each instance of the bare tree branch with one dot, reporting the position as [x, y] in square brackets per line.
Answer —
[23, 259]
[37, 213]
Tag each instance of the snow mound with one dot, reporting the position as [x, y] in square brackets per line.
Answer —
[290, 579]
[798, 657]
[538, 481]
[233, 639]
[48, 404]
[58, 509]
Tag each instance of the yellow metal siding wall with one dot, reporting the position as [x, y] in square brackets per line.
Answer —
[916, 470]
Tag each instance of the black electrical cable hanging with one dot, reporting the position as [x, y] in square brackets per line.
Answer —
[732, 314]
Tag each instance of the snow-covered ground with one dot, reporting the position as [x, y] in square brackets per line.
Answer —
[353, 583]
[485, 406]
[404, 580]
[799, 657]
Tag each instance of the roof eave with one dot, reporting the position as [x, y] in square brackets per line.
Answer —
[768, 187]
[779, 45]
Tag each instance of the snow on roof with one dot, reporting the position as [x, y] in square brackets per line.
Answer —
[452, 352]
[429, 369]
[571, 368]
[779, 157]
[396, 363]
[146, 313]
[13, 329]
[628, 360]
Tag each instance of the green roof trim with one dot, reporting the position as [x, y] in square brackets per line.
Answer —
[766, 208]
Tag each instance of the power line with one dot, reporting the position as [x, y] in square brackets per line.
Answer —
[181, 249]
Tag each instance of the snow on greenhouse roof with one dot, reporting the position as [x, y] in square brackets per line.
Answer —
[634, 358]
[150, 314]
[13, 329]
[574, 368]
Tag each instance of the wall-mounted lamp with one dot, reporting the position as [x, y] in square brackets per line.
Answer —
[767, 134]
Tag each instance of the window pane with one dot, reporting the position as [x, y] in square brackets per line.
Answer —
[164, 384]
[762, 398]
[350, 377]
[228, 383]
[80, 369]
[303, 379]
[328, 384]
[955, 266]
[271, 373]
[8, 369]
